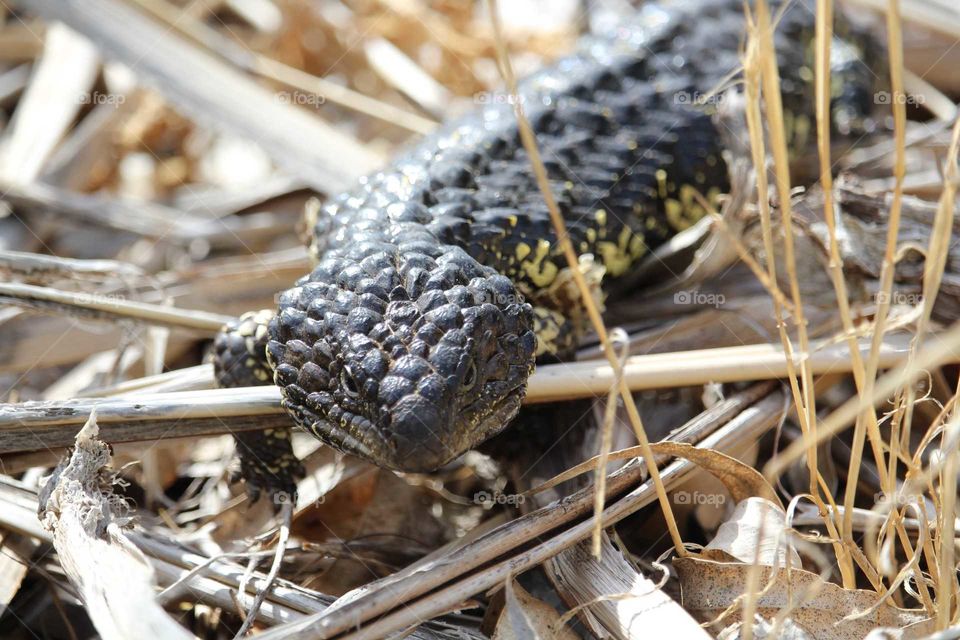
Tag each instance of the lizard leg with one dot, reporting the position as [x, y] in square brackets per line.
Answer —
[267, 461]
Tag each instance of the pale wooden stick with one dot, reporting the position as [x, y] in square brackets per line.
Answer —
[117, 307]
[30, 426]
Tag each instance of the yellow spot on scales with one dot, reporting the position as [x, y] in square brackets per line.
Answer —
[522, 250]
[540, 272]
[618, 256]
[601, 217]
[661, 183]
[546, 324]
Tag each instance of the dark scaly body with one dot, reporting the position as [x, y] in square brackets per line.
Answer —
[412, 339]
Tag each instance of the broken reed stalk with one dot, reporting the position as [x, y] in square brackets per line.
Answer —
[761, 73]
[88, 524]
[563, 240]
[177, 566]
[116, 307]
[139, 415]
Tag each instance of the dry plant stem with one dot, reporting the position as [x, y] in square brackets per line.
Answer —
[145, 415]
[895, 47]
[744, 428]
[770, 80]
[38, 266]
[563, 239]
[285, 520]
[195, 378]
[88, 525]
[117, 308]
[344, 96]
[390, 593]
[752, 592]
[868, 420]
[919, 580]
[934, 266]
[947, 578]
[760, 70]
[946, 348]
[35, 426]
[606, 436]
[169, 592]
[935, 102]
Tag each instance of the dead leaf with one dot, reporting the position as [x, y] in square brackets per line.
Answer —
[817, 607]
[754, 533]
[527, 618]
[741, 480]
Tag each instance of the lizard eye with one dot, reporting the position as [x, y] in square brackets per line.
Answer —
[471, 378]
[348, 383]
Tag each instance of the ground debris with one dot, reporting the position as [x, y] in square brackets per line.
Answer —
[114, 579]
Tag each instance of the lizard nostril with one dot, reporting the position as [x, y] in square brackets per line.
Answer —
[471, 378]
[348, 383]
